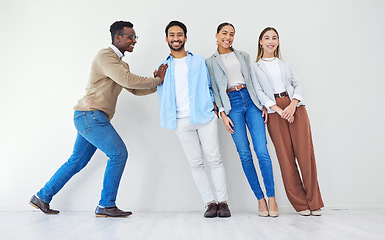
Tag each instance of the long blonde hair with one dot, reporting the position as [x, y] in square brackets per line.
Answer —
[260, 49]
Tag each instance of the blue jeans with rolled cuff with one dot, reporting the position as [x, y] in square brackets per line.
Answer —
[244, 113]
[94, 131]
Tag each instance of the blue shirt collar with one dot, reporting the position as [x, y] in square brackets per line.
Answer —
[188, 53]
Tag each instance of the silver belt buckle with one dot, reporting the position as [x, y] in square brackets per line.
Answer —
[281, 96]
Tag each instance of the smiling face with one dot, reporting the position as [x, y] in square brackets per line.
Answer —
[126, 40]
[225, 38]
[269, 43]
[176, 38]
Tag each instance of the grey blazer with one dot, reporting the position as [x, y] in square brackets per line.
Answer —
[262, 83]
[218, 79]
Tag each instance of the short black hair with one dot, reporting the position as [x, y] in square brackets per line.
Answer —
[224, 24]
[176, 23]
[117, 27]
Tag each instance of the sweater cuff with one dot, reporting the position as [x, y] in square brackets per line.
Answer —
[157, 81]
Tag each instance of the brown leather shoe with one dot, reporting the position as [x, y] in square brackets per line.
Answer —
[223, 210]
[211, 210]
[111, 212]
[44, 207]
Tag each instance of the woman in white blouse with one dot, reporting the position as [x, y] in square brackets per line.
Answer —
[239, 108]
[279, 90]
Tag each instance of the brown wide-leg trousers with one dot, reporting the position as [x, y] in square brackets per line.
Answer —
[294, 141]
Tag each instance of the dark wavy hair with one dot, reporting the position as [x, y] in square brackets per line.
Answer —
[117, 28]
[176, 23]
[224, 24]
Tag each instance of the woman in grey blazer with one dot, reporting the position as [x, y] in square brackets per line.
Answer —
[280, 91]
[239, 107]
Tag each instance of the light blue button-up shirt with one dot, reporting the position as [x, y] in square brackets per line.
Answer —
[200, 94]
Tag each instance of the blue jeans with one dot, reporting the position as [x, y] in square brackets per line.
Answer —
[244, 113]
[94, 131]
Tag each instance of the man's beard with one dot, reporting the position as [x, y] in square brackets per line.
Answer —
[176, 49]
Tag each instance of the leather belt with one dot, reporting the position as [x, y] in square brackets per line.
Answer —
[237, 88]
[281, 95]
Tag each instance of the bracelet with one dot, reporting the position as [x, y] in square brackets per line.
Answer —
[215, 109]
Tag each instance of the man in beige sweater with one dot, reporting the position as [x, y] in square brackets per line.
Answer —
[109, 75]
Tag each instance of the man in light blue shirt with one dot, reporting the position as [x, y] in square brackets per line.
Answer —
[187, 106]
[197, 89]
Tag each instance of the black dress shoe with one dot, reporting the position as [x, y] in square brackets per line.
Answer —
[44, 207]
[211, 210]
[111, 212]
[223, 210]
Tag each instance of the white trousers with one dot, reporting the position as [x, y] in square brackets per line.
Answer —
[200, 140]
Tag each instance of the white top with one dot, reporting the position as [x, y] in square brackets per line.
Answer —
[233, 70]
[181, 88]
[288, 79]
[272, 66]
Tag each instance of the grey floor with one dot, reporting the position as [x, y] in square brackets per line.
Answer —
[243, 225]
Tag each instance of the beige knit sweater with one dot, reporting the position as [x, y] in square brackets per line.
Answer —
[109, 75]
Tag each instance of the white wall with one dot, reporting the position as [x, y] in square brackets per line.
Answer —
[46, 51]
